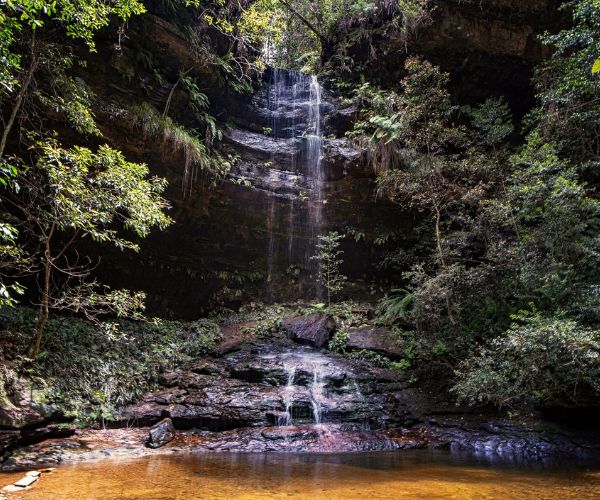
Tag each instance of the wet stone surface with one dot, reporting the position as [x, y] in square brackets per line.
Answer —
[262, 385]
[284, 397]
[161, 433]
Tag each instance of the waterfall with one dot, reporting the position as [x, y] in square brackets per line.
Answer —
[313, 158]
[294, 105]
[288, 395]
[270, 248]
[309, 390]
[317, 395]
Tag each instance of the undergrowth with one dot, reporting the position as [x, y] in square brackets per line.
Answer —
[89, 370]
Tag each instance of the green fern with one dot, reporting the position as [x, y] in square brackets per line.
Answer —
[395, 306]
[181, 140]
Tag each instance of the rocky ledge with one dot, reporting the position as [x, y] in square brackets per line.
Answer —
[275, 384]
[281, 395]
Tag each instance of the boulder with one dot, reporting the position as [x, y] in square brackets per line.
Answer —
[376, 339]
[49, 431]
[18, 408]
[23, 418]
[143, 413]
[314, 330]
[161, 433]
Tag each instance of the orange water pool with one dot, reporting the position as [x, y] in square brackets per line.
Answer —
[418, 474]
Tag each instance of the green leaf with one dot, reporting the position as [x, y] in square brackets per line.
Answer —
[596, 66]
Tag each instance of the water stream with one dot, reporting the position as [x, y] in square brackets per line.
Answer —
[317, 394]
[307, 363]
[288, 394]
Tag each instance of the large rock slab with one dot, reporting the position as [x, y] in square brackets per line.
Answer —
[314, 330]
[263, 384]
[376, 339]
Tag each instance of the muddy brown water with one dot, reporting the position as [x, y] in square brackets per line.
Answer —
[413, 474]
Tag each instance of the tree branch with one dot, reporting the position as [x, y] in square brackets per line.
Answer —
[304, 21]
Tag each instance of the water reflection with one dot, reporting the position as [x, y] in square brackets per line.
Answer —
[418, 474]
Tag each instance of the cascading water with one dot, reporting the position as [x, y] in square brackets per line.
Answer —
[313, 159]
[294, 106]
[288, 395]
[317, 394]
[300, 389]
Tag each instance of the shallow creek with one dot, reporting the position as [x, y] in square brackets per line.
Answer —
[406, 474]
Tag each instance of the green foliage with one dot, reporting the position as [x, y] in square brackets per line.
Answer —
[199, 105]
[11, 255]
[76, 193]
[556, 223]
[67, 95]
[180, 140]
[381, 361]
[265, 327]
[491, 121]
[540, 360]
[395, 306]
[91, 370]
[345, 313]
[338, 343]
[78, 190]
[329, 258]
[567, 90]
[371, 357]
[295, 34]
[79, 20]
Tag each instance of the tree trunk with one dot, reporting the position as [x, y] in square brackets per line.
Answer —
[20, 98]
[45, 305]
[304, 21]
[44, 311]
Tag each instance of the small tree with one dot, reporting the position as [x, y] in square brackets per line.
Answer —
[68, 194]
[329, 258]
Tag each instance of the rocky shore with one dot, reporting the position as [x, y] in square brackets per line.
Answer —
[287, 394]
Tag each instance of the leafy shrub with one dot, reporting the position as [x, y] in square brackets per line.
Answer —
[371, 357]
[345, 314]
[196, 154]
[265, 327]
[539, 361]
[91, 370]
[395, 306]
[339, 341]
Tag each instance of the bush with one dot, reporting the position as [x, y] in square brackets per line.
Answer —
[339, 342]
[90, 370]
[538, 361]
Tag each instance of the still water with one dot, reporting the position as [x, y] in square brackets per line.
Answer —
[418, 474]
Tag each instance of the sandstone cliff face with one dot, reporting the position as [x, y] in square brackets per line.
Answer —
[249, 237]
[489, 47]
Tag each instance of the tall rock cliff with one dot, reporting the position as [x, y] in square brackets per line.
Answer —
[249, 235]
